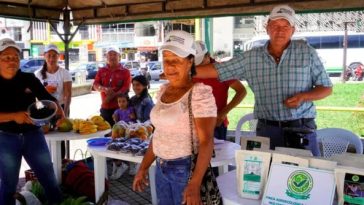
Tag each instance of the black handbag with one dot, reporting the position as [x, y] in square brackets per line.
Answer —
[209, 191]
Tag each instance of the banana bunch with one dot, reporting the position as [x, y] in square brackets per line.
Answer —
[87, 127]
[84, 126]
[76, 124]
[100, 122]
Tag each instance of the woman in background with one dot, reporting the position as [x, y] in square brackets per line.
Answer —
[141, 101]
[57, 81]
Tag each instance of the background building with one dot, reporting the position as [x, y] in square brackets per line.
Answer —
[139, 41]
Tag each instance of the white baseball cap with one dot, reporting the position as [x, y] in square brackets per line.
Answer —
[51, 47]
[180, 43]
[116, 50]
[201, 50]
[8, 42]
[283, 12]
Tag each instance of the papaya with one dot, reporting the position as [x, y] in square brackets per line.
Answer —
[65, 125]
[117, 131]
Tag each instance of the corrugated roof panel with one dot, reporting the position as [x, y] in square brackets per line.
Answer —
[101, 11]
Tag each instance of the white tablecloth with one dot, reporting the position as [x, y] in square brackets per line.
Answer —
[54, 140]
[225, 155]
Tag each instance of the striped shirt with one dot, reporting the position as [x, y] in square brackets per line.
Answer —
[299, 70]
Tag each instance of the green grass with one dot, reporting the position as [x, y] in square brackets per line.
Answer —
[344, 95]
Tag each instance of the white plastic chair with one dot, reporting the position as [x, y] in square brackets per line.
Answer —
[337, 140]
[252, 125]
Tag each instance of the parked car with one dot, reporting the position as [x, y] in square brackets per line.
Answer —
[90, 68]
[31, 65]
[154, 70]
[135, 72]
[131, 64]
[75, 68]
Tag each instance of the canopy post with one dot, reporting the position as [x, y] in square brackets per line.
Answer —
[66, 37]
[208, 34]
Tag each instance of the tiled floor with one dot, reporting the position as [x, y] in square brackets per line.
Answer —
[122, 189]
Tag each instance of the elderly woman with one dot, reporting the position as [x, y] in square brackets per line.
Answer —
[172, 145]
[19, 137]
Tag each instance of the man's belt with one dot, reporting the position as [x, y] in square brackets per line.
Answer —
[286, 123]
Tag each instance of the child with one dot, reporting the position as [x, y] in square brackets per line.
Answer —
[125, 112]
[141, 102]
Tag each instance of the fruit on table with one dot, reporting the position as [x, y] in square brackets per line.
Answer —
[84, 126]
[87, 127]
[140, 132]
[76, 124]
[100, 122]
[65, 125]
[117, 131]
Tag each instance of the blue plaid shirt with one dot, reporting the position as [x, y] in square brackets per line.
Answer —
[299, 70]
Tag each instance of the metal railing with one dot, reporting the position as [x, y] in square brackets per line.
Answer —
[320, 108]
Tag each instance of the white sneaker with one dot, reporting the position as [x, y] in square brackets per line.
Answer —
[119, 171]
[113, 168]
[133, 168]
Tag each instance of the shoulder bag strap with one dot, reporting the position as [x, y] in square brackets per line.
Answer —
[191, 118]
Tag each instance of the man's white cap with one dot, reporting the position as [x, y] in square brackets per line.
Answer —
[201, 50]
[51, 47]
[8, 42]
[283, 12]
[180, 43]
[116, 50]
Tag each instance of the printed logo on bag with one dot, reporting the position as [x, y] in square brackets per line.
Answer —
[299, 185]
[355, 178]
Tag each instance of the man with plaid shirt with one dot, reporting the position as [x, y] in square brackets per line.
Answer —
[286, 76]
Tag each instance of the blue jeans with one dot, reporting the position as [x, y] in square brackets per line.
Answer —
[276, 135]
[32, 146]
[171, 180]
